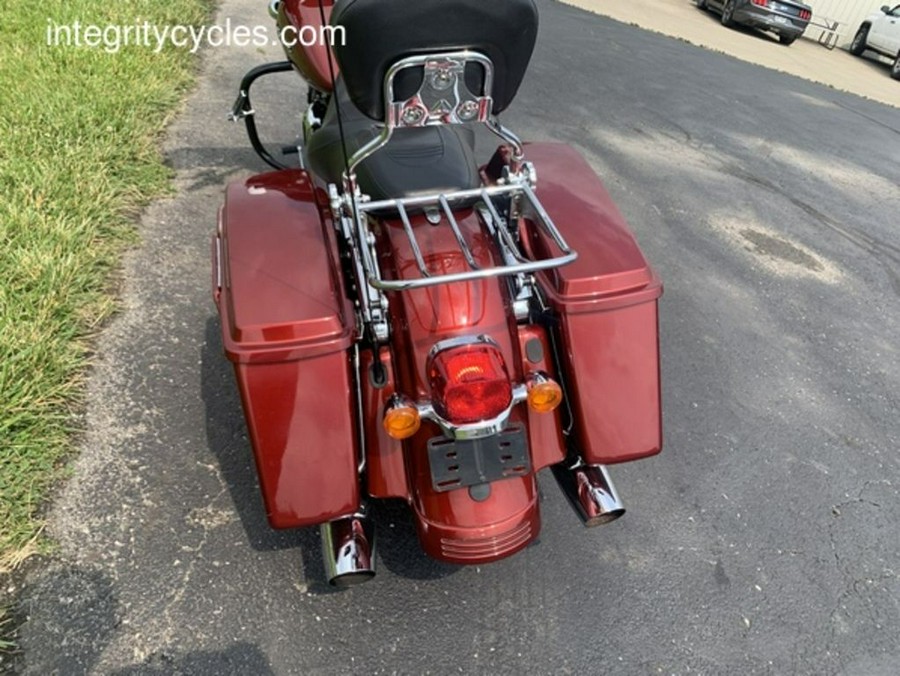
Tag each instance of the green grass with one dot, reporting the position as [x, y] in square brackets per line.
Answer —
[6, 639]
[79, 136]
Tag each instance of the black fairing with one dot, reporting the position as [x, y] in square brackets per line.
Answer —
[380, 32]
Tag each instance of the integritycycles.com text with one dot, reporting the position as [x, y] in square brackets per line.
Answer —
[114, 37]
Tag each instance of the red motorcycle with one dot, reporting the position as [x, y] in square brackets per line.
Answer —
[406, 323]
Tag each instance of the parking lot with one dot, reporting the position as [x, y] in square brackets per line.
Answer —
[762, 540]
[806, 58]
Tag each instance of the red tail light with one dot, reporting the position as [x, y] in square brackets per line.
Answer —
[761, 3]
[469, 383]
[805, 14]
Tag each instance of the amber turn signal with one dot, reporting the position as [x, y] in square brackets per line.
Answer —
[401, 420]
[544, 394]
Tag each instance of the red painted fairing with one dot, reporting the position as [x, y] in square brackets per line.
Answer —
[451, 525]
[606, 302]
[544, 429]
[287, 327]
[311, 61]
[386, 471]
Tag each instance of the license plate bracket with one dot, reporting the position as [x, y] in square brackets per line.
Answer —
[456, 463]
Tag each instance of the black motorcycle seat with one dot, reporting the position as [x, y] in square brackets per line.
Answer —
[377, 33]
[416, 161]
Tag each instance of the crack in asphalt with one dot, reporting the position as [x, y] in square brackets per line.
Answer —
[871, 119]
[854, 585]
[886, 254]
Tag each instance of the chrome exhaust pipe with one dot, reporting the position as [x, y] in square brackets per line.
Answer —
[590, 491]
[348, 549]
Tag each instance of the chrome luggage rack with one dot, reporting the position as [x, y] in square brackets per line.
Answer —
[353, 223]
[514, 262]
[443, 98]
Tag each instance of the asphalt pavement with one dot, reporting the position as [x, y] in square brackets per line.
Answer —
[763, 540]
[808, 57]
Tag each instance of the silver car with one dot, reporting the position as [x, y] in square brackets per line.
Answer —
[787, 18]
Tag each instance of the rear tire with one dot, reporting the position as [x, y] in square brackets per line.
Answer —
[787, 40]
[895, 69]
[858, 46]
[728, 14]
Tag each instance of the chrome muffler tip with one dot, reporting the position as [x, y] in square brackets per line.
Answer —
[348, 550]
[590, 492]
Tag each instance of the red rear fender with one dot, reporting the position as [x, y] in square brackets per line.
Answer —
[453, 525]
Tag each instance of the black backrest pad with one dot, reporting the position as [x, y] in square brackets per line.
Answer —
[380, 32]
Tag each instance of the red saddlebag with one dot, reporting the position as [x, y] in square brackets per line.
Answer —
[287, 327]
[606, 303]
